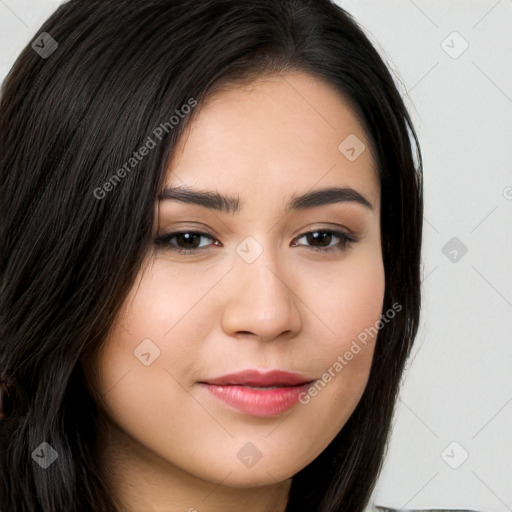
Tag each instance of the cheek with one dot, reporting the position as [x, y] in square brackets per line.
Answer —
[350, 308]
[160, 327]
[163, 303]
[347, 301]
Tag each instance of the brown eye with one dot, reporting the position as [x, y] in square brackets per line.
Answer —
[184, 242]
[321, 240]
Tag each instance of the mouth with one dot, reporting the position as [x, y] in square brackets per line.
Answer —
[259, 393]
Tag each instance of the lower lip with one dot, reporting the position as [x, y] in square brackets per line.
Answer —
[256, 402]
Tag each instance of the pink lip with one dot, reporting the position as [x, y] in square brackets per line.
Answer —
[233, 389]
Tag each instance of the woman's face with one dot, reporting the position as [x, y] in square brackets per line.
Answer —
[268, 287]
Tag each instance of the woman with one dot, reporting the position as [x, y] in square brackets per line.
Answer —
[211, 233]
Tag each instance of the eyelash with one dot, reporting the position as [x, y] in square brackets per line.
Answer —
[346, 241]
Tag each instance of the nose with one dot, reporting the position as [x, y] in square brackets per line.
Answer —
[260, 301]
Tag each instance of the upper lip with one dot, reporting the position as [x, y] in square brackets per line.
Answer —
[260, 378]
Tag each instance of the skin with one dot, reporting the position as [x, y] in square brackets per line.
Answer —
[168, 444]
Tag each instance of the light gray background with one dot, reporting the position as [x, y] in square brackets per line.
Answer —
[456, 399]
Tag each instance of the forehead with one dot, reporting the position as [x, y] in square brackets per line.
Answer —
[278, 133]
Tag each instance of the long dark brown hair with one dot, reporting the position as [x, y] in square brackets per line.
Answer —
[70, 119]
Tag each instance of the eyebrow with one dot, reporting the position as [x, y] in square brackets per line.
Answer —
[230, 204]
